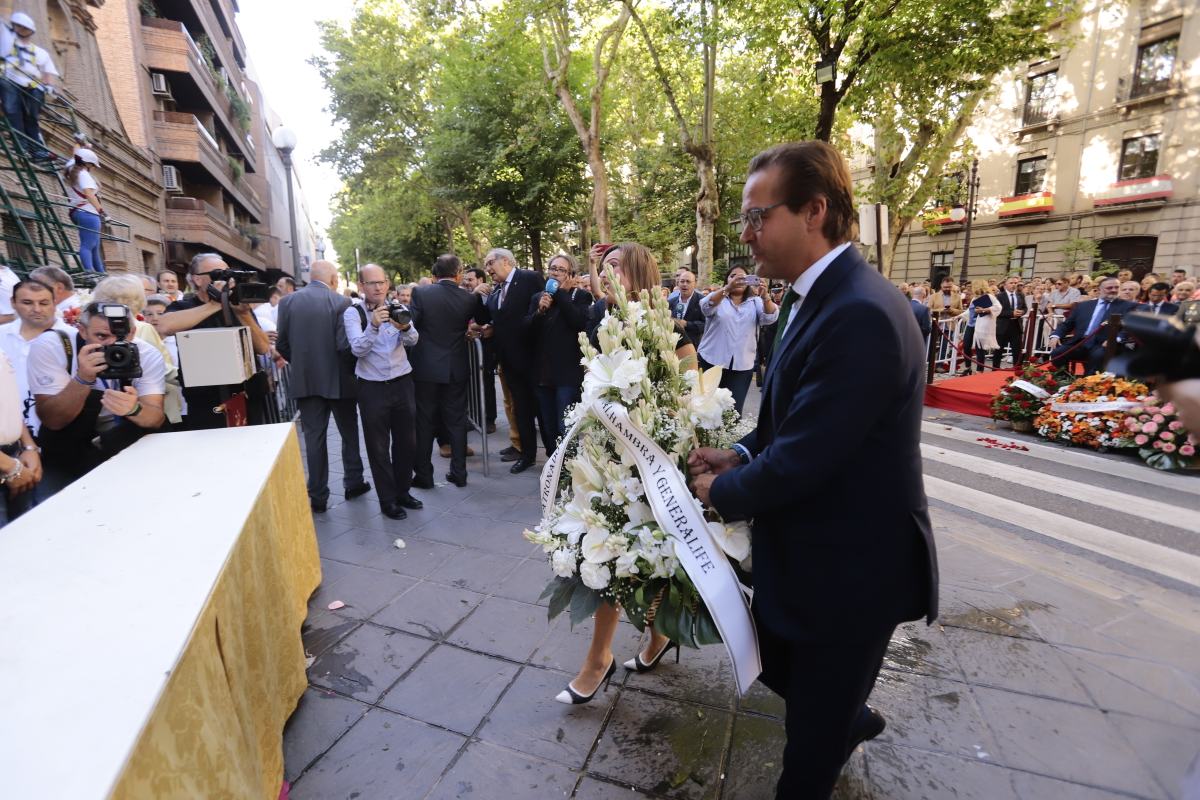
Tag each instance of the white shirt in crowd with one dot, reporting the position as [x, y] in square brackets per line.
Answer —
[48, 368]
[11, 423]
[84, 180]
[24, 64]
[8, 281]
[267, 316]
[731, 333]
[16, 348]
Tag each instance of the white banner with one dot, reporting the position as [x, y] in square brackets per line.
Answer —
[682, 518]
[1031, 388]
[1095, 408]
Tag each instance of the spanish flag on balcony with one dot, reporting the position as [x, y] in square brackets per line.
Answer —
[1027, 204]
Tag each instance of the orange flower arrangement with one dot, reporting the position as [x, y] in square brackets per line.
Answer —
[1092, 428]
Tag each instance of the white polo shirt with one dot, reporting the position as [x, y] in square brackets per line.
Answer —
[16, 348]
[48, 368]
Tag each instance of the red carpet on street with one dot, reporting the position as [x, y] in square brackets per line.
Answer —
[971, 394]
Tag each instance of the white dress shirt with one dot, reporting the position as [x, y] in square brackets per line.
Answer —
[803, 285]
[380, 351]
[731, 332]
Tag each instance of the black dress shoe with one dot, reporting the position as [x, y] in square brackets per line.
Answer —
[869, 724]
[317, 507]
[509, 451]
[422, 483]
[408, 501]
[358, 491]
[515, 455]
[394, 511]
[521, 466]
[458, 480]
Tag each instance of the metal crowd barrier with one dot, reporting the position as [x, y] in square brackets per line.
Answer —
[278, 405]
[476, 409]
[946, 338]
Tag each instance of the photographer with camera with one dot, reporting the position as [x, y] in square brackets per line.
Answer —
[221, 299]
[95, 395]
[380, 332]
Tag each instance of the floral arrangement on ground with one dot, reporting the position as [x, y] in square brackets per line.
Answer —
[599, 533]
[1091, 412]
[1160, 437]
[1020, 400]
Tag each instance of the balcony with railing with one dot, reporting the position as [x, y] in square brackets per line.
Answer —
[1031, 207]
[182, 137]
[191, 220]
[1138, 193]
[170, 48]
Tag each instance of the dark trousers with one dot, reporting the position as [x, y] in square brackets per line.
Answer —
[737, 381]
[525, 408]
[23, 107]
[314, 421]
[967, 341]
[552, 406]
[388, 412]
[826, 687]
[1011, 335]
[1092, 355]
[441, 405]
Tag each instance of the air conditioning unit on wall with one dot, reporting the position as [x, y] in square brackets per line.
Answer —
[171, 178]
[158, 84]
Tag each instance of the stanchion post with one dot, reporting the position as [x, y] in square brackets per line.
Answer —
[935, 330]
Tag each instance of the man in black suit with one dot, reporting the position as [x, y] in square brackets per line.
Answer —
[1083, 334]
[441, 312]
[507, 305]
[1158, 300]
[555, 320]
[685, 308]
[312, 338]
[833, 576]
[1009, 330]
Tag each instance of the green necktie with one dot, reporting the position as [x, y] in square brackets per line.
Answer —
[785, 310]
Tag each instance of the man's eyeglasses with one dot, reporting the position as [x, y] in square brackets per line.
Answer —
[374, 284]
[753, 217]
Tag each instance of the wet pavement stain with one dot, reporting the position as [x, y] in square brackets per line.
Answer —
[1012, 621]
[907, 653]
[337, 668]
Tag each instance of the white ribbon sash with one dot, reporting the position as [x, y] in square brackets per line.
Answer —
[1095, 408]
[1031, 388]
[681, 517]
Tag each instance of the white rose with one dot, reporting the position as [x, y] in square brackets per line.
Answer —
[563, 562]
[595, 576]
[707, 409]
[626, 564]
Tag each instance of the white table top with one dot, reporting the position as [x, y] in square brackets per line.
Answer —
[100, 588]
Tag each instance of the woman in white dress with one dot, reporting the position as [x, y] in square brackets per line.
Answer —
[986, 307]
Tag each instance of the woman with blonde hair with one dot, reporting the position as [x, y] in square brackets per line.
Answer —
[635, 267]
[985, 307]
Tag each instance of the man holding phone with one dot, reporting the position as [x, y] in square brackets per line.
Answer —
[733, 315]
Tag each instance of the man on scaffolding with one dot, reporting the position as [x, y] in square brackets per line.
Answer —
[29, 75]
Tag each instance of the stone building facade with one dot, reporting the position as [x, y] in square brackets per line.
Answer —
[1098, 147]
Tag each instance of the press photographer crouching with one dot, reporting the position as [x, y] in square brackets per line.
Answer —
[221, 298]
[95, 395]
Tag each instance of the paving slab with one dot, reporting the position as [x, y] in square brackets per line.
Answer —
[489, 771]
[504, 628]
[451, 688]
[320, 720]
[428, 609]
[367, 662]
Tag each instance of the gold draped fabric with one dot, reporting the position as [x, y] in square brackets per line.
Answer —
[217, 730]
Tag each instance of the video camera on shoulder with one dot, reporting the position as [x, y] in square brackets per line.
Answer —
[1166, 346]
[121, 359]
[399, 313]
[247, 286]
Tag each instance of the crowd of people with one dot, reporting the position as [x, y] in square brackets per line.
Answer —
[1073, 311]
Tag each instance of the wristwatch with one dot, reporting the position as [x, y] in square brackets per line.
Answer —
[137, 409]
[32, 448]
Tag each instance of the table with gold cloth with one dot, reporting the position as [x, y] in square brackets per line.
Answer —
[150, 621]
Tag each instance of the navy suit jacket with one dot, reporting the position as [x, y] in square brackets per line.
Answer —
[842, 543]
[693, 317]
[513, 343]
[921, 311]
[1076, 323]
[1167, 309]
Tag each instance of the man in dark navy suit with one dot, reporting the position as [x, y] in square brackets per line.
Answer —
[840, 416]
[1158, 300]
[1083, 334]
[921, 311]
[1009, 330]
[506, 306]
[685, 308]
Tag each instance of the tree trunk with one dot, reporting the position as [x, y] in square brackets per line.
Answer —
[599, 190]
[708, 209]
[535, 247]
[829, 104]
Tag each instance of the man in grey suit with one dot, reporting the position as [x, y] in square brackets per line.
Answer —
[313, 340]
[442, 311]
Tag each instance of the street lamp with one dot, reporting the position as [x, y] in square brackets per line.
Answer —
[284, 139]
[960, 214]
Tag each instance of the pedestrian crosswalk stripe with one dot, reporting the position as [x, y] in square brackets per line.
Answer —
[1064, 456]
[1129, 549]
[1152, 510]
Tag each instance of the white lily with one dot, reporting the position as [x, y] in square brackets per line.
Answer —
[733, 538]
[618, 370]
[596, 546]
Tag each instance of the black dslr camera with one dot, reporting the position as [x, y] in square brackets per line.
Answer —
[1165, 346]
[247, 286]
[399, 313]
[121, 359]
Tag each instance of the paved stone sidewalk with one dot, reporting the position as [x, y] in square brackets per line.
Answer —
[1049, 676]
